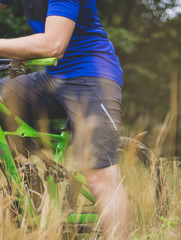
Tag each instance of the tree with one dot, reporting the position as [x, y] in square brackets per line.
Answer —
[13, 22]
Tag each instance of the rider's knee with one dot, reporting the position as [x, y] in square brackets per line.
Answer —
[3, 94]
[1, 100]
[102, 179]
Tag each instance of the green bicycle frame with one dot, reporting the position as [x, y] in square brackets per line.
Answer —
[24, 130]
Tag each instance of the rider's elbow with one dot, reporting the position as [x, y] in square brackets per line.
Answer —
[58, 54]
[53, 46]
[56, 51]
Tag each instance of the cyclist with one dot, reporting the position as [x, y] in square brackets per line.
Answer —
[86, 85]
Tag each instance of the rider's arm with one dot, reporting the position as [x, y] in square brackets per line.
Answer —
[52, 43]
[2, 6]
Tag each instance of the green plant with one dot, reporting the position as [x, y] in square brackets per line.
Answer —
[169, 224]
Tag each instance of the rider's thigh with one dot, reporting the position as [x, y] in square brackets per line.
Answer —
[94, 108]
[30, 97]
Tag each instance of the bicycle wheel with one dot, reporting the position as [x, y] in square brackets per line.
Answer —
[154, 164]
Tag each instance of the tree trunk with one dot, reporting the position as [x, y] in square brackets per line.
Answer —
[129, 6]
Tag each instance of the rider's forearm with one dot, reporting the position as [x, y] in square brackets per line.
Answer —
[33, 46]
[52, 43]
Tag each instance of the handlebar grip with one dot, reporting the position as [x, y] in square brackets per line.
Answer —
[5, 61]
[41, 62]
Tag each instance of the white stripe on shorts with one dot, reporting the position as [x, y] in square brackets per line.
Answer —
[110, 118]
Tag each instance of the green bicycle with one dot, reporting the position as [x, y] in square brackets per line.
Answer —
[24, 183]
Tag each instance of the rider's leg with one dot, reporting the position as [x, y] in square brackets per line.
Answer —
[30, 97]
[94, 108]
[1, 100]
[112, 201]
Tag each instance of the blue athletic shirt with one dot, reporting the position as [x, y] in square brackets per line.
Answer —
[89, 53]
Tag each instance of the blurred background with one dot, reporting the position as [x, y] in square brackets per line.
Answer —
[147, 39]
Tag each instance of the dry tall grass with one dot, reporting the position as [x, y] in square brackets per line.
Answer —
[141, 188]
[146, 225]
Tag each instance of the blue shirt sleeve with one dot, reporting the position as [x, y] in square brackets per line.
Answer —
[64, 8]
[5, 2]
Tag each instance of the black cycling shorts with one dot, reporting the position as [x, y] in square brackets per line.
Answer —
[92, 104]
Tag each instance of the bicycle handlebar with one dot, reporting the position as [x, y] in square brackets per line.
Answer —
[41, 62]
[5, 61]
[52, 61]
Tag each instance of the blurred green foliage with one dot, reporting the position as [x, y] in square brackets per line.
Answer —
[148, 44]
[12, 20]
